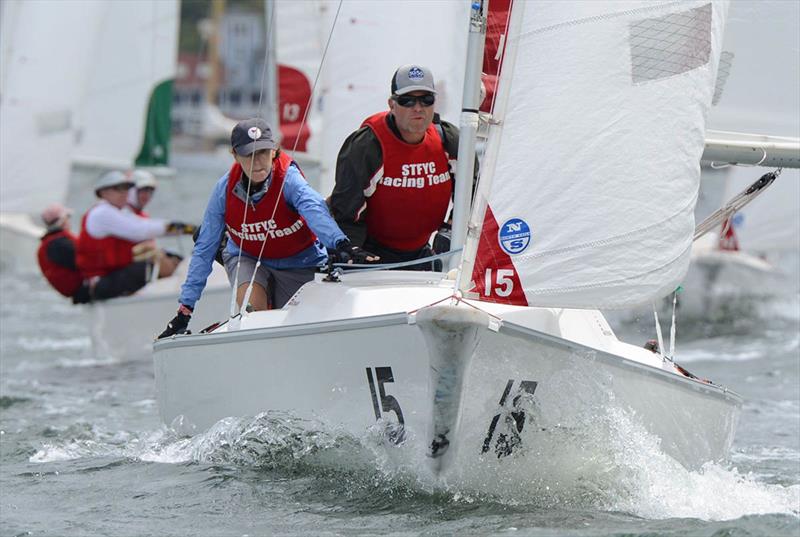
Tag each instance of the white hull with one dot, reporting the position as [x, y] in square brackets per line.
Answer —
[728, 282]
[124, 328]
[19, 241]
[560, 370]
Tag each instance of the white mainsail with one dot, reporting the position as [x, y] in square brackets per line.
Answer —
[370, 41]
[46, 59]
[134, 50]
[602, 108]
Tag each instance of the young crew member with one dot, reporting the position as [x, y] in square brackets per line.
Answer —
[272, 217]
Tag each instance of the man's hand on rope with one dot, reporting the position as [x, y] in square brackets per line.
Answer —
[346, 252]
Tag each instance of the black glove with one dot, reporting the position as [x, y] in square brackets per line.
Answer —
[346, 252]
[441, 241]
[181, 228]
[179, 323]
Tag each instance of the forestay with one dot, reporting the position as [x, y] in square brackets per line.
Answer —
[44, 65]
[594, 170]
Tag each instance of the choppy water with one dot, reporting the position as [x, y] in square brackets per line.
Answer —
[82, 452]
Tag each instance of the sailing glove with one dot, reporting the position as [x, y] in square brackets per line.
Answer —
[180, 228]
[179, 323]
[441, 241]
[346, 252]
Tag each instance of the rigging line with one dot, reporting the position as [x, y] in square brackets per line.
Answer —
[363, 267]
[243, 306]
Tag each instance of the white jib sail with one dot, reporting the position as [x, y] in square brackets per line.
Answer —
[595, 167]
[45, 60]
[136, 48]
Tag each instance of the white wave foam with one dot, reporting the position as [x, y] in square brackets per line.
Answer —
[655, 486]
[616, 466]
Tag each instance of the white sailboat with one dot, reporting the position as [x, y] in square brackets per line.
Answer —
[585, 201]
[727, 279]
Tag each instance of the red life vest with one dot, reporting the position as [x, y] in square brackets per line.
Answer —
[410, 199]
[286, 234]
[138, 212]
[98, 257]
[728, 240]
[64, 280]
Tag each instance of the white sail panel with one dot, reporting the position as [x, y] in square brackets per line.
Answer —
[45, 62]
[136, 48]
[603, 108]
[370, 41]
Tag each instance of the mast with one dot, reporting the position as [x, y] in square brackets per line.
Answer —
[468, 127]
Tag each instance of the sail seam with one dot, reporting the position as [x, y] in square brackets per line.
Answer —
[596, 18]
[639, 275]
[609, 240]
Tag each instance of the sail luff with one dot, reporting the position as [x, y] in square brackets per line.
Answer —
[481, 198]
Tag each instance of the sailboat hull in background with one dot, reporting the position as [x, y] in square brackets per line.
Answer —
[124, 328]
[526, 389]
[19, 242]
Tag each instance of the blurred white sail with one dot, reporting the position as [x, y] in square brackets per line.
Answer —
[46, 60]
[369, 43]
[122, 117]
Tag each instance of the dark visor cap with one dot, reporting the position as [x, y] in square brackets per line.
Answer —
[251, 135]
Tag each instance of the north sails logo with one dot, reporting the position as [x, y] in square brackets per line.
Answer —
[254, 133]
[415, 73]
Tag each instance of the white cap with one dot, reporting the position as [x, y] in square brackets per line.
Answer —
[143, 179]
[112, 178]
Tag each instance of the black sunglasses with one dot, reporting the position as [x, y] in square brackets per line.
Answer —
[407, 101]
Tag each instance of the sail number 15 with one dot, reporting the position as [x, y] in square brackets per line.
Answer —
[502, 284]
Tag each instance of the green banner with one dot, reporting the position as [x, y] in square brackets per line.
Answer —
[155, 146]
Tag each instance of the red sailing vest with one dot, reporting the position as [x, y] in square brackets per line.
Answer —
[286, 234]
[138, 212]
[411, 198]
[98, 257]
[64, 280]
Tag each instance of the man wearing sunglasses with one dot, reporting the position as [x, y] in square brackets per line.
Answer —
[115, 251]
[394, 174]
